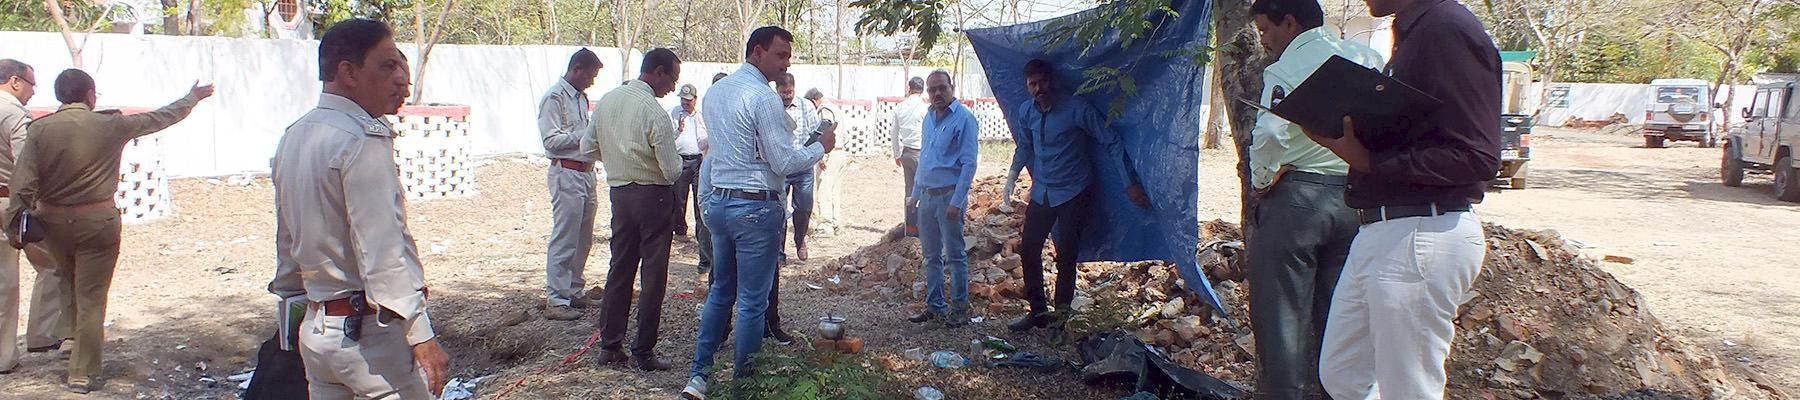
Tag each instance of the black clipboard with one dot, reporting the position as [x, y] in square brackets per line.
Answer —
[1379, 104]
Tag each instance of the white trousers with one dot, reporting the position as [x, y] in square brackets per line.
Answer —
[828, 194]
[1391, 317]
[380, 366]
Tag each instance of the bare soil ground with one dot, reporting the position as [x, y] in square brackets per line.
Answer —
[188, 300]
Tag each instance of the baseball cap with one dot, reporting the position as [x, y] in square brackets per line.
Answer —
[689, 92]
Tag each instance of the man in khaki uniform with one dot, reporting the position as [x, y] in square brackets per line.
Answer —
[635, 139]
[340, 217]
[562, 120]
[17, 84]
[65, 179]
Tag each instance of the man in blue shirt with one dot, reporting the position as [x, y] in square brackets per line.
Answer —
[1057, 136]
[750, 152]
[947, 161]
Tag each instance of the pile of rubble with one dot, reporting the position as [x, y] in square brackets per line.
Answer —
[1543, 321]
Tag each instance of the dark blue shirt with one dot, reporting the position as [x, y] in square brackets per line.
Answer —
[949, 153]
[1057, 146]
[1441, 49]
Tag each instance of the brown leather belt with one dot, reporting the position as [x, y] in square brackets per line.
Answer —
[572, 164]
[342, 308]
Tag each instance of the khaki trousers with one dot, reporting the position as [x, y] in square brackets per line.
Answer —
[9, 305]
[47, 322]
[84, 246]
[572, 211]
[380, 366]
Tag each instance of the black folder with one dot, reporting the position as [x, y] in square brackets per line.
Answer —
[1379, 105]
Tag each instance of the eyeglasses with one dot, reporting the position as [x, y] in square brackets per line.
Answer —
[27, 81]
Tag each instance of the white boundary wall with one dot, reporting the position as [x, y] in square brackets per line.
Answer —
[1600, 101]
[264, 85]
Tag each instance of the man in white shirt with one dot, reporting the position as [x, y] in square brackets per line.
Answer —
[909, 118]
[686, 117]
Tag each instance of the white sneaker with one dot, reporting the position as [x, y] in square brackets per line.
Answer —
[696, 389]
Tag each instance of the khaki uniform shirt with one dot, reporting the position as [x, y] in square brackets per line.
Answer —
[1275, 142]
[13, 117]
[71, 157]
[340, 215]
[634, 137]
[562, 121]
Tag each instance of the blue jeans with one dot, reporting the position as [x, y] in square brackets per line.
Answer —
[800, 189]
[746, 239]
[941, 239]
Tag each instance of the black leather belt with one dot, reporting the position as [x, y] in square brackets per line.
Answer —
[1322, 179]
[939, 191]
[759, 195]
[572, 164]
[1389, 213]
[690, 157]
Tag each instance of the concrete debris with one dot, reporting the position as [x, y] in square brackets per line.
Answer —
[1517, 356]
[1547, 322]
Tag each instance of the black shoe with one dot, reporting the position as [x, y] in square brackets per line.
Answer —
[45, 349]
[609, 357]
[781, 336]
[923, 317]
[1025, 323]
[957, 317]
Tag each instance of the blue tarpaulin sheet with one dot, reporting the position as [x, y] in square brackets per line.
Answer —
[1160, 128]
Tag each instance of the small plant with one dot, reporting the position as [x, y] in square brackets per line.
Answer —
[810, 375]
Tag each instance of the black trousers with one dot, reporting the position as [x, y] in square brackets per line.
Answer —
[685, 184]
[1067, 221]
[640, 249]
[1297, 249]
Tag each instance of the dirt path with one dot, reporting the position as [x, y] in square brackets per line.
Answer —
[189, 302]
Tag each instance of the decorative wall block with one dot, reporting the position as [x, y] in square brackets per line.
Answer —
[143, 188]
[432, 151]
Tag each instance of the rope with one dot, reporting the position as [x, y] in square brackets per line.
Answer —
[566, 360]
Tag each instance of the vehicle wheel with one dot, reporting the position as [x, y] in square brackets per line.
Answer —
[1653, 142]
[1786, 187]
[1518, 178]
[1731, 168]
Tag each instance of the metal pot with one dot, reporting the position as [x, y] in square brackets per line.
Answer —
[832, 327]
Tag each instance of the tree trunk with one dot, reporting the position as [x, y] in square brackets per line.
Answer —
[839, 53]
[194, 12]
[1243, 60]
[1214, 136]
[171, 20]
[62, 24]
[437, 32]
[555, 32]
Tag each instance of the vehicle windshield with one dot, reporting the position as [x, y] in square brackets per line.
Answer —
[1679, 94]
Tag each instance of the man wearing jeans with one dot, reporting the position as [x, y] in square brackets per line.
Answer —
[751, 151]
[799, 184]
[947, 161]
[1062, 140]
[1420, 246]
[1302, 229]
